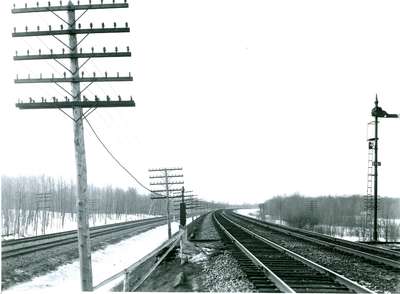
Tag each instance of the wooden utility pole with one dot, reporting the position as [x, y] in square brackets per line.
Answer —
[185, 196]
[42, 202]
[76, 103]
[168, 187]
[85, 257]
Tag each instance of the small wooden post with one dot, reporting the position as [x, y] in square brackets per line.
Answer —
[182, 225]
[126, 282]
[168, 210]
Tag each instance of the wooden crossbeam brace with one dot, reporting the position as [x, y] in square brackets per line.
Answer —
[72, 55]
[71, 32]
[72, 104]
[190, 207]
[165, 169]
[187, 198]
[170, 190]
[169, 183]
[71, 80]
[163, 177]
[67, 7]
[165, 197]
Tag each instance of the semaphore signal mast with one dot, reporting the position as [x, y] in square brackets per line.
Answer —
[75, 99]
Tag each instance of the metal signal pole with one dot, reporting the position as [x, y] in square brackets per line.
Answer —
[376, 163]
[77, 104]
[377, 112]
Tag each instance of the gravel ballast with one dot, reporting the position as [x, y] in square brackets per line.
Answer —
[376, 277]
[223, 274]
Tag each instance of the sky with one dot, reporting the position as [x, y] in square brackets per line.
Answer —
[251, 98]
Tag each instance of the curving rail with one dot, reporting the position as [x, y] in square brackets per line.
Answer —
[273, 268]
[379, 255]
[18, 247]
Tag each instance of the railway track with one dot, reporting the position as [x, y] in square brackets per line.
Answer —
[273, 268]
[18, 247]
[378, 255]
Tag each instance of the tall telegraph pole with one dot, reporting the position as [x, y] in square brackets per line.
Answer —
[167, 187]
[75, 101]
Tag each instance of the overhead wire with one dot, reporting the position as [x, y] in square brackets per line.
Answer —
[87, 121]
[118, 162]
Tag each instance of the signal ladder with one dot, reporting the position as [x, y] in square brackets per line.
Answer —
[369, 197]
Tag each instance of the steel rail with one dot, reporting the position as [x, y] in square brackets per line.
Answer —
[26, 249]
[389, 252]
[335, 276]
[69, 240]
[281, 285]
[11, 242]
[290, 232]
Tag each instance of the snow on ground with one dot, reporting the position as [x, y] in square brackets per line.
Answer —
[254, 213]
[56, 224]
[105, 263]
[250, 212]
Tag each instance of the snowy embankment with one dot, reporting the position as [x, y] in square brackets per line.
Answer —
[341, 232]
[55, 222]
[255, 213]
[250, 212]
[105, 263]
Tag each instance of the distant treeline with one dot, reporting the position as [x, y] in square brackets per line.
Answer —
[31, 193]
[347, 211]
[36, 200]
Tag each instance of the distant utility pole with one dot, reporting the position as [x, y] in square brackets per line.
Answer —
[74, 99]
[185, 196]
[376, 112]
[42, 202]
[167, 187]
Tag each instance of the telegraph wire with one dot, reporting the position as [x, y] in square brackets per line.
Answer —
[85, 116]
[117, 161]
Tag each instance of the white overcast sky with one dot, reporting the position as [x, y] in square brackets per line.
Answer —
[252, 98]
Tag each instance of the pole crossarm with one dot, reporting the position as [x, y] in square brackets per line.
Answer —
[69, 7]
[165, 197]
[187, 192]
[158, 197]
[175, 198]
[169, 183]
[165, 169]
[188, 197]
[169, 176]
[72, 55]
[74, 80]
[185, 195]
[72, 104]
[190, 207]
[71, 32]
[161, 191]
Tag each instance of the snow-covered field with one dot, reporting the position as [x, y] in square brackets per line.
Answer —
[339, 232]
[250, 212]
[105, 263]
[55, 223]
